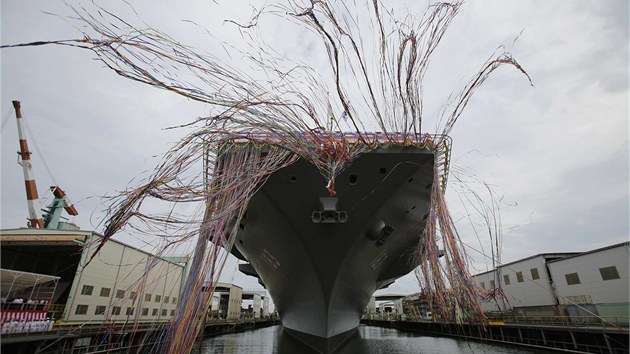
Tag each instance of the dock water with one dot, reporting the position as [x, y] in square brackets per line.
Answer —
[565, 337]
[373, 336]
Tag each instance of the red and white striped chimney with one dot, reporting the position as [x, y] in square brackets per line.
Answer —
[34, 220]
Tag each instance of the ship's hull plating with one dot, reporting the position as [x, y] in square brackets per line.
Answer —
[321, 275]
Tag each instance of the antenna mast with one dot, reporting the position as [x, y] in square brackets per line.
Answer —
[34, 220]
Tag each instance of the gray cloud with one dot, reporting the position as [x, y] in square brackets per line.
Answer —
[557, 152]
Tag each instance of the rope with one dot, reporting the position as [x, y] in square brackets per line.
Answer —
[39, 152]
[6, 119]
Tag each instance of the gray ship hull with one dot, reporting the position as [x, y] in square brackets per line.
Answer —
[322, 267]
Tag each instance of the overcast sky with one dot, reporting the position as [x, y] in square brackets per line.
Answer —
[557, 153]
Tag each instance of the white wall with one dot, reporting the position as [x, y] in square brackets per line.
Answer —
[266, 306]
[257, 305]
[398, 306]
[371, 307]
[234, 306]
[529, 292]
[591, 283]
[118, 267]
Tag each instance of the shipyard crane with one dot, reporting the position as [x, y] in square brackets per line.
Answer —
[52, 215]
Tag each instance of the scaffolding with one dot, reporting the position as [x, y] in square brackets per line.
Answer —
[25, 296]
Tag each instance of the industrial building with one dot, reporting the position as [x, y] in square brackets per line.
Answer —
[588, 286]
[414, 307]
[524, 283]
[55, 294]
[594, 282]
[390, 306]
[58, 292]
[228, 300]
[259, 307]
[121, 283]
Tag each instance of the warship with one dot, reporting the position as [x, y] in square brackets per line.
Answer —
[322, 257]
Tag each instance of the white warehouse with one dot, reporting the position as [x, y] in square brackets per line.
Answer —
[121, 283]
[525, 284]
[595, 282]
[580, 285]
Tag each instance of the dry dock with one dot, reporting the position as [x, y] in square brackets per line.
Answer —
[113, 339]
[559, 337]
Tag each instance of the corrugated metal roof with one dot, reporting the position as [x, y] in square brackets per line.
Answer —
[18, 280]
[557, 257]
[50, 237]
[544, 255]
[627, 244]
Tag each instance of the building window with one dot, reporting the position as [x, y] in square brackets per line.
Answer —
[483, 285]
[129, 311]
[535, 274]
[115, 310]
[154, 312]
[174, 300]
[100, 310]
[572, 278]
[81, 310]
[105, 292]
[519, 277]
[158, 298]
[172, 313]
[87, 290]
[147, 297]
[120, 294]
[166, 299]
[609, 273]
[133, 295]
[492, 284]
[506, 279]
[145, 311]
[163, 312]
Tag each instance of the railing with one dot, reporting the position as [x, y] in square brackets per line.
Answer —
[63, 329]
[118, 347]
[349, 137]
[557, 344]
[56, 310]
[554, 320]
[527, 331]
[621, 322]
